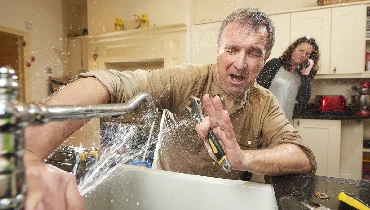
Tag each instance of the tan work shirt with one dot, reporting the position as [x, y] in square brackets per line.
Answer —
[257, 118]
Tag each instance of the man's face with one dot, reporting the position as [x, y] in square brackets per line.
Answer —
[240, 57]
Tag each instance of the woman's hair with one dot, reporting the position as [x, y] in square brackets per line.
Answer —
[286, 58]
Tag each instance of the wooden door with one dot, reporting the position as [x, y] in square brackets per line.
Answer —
[11, 55]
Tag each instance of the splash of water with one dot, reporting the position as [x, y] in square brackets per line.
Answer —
[124, 146]
[125, 138]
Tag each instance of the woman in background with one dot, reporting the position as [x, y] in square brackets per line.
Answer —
[288, 77]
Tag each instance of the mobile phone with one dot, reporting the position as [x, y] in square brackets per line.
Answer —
[306, 64]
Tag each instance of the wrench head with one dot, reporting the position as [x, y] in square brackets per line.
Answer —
[195, 109]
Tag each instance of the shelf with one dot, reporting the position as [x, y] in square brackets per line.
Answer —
[140, 31]
[132, 63]
[366, 149]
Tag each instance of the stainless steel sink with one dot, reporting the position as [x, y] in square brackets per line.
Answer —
[135, 187]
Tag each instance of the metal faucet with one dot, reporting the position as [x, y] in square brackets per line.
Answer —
[15, 116]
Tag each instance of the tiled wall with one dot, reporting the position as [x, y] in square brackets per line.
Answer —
[334, 87]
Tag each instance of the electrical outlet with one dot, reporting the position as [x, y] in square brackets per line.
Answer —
[28, 25]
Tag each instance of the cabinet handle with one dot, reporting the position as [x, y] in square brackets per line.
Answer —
[335, 70]
[298, 123]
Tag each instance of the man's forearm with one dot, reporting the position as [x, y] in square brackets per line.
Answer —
[280, 160]
[41, 140]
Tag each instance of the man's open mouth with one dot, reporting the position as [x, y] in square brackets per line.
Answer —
[235, 77]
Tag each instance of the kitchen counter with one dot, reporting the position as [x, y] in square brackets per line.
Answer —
[290, 190]
[311, 112]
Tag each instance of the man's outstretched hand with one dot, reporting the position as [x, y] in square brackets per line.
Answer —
[218, 119]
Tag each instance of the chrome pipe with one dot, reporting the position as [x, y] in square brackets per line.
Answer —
[40, 114]
[15, 116]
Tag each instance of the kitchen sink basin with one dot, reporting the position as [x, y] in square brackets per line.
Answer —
[135, 187]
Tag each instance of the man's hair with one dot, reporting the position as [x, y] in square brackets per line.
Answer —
[252, 17]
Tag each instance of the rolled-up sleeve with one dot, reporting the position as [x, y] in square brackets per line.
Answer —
[168, 87]
[277, 130]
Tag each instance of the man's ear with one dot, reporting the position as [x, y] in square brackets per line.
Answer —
[267, 57]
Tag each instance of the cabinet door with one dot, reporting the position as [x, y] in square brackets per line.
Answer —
[348, 39]
[315, 24]
[282, 34]
[174, 52]
[203, 43]
[323, 137]
[351, 149]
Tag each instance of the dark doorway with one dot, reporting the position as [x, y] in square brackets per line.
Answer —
[11, 55]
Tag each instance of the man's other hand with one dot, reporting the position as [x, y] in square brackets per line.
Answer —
[49, 187]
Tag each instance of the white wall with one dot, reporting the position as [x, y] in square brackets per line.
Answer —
[207, 10]
[334, 87]
[49, 20]
[46, 38]
[74, 17]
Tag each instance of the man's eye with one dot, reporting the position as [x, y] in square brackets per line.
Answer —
[255, 54]
[230, 51]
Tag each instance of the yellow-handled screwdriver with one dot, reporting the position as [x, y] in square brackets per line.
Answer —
[196, 112]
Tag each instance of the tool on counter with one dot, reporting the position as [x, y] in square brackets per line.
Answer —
[352, 202]
[321, 195]
[196, 112]
[311, 204]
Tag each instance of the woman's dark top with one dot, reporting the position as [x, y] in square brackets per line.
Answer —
[268, 73]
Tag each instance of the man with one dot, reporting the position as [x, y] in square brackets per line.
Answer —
[254, 132]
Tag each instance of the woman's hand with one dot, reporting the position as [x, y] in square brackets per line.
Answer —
[306, 71]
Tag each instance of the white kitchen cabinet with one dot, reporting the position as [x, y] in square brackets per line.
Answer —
[316, 24]
[282, 34]
[324, 138]
[339, 32]
[351, 149]
[337, 145]
[203, 43]
[347, 40]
